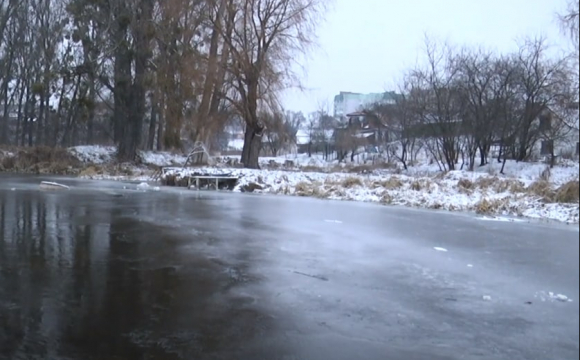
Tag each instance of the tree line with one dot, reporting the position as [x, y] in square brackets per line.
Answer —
[146, 74]
[465, 101]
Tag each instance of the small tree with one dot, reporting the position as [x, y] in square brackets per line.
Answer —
[280, 131]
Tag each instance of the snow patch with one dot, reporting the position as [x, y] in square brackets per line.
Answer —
[143, 186]
[333, 221]
[500, 218]
[93, 154]
[551, 296]
[162, 158]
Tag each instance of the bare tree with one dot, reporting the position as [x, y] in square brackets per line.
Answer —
[569, 21]
[400, 120]
[435, 98]
[267, 35]
[280, 131]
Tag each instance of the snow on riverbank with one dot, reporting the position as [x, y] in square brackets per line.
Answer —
[526, 189]
[99, 155]
[453, 191]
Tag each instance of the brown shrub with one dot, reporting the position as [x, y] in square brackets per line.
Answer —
[421, 184]
[465, 186]
[351, 181]
[42, 160]
[517, 187]
[568, 193]
[90, 171]
[8, 163]
[542, 189]
[485, 182]
[416, 185]
[361, 169]
[487, 207]
[302, 187]
[391, 183]
[311, 168]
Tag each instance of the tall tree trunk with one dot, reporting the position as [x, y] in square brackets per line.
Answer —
[40, 118]
[161, 124]
[133, 129]
[92, 100]
[4, 136]
[252, 147]
[254, 127]
[122, 79]
[58, 115]
[19, 124]
[31, 122]
[152, 125]
[204, 117]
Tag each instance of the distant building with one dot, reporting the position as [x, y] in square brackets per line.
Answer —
[349, 102]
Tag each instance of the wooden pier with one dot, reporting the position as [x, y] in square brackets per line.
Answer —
[197, 181]
[212, 181]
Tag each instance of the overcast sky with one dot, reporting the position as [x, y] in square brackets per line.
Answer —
[365, 45]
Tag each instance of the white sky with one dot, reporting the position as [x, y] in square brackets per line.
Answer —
[365, 45]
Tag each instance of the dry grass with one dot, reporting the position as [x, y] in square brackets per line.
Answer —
[351, 182]
[568, 193]
[436, 206]
[361, 169]
[440, 175]
[517, 187]
[421, 185]
[392, 183]
[486, 182]
[465, 186]
[302, 186]
[500, 185]
[312, 168]
[386, 199]
[542, 189]
[90, 171]
[313, 189]
[42, 160]
[488, 207]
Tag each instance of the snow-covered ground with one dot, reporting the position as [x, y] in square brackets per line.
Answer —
[105, 154]
[525, 189]
[454, 191]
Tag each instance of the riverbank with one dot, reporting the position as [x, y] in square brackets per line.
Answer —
[526, 190]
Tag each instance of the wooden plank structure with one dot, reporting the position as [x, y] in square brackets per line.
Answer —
[198, 180]
[193, 179]
[211, 180]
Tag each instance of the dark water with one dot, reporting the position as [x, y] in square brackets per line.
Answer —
[121, 274]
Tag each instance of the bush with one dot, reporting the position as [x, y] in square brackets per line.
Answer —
[465, 185]
[391, 183]
[568, 193]
[488, 207]
[351, 181]
[42, 160]
[542, 189]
